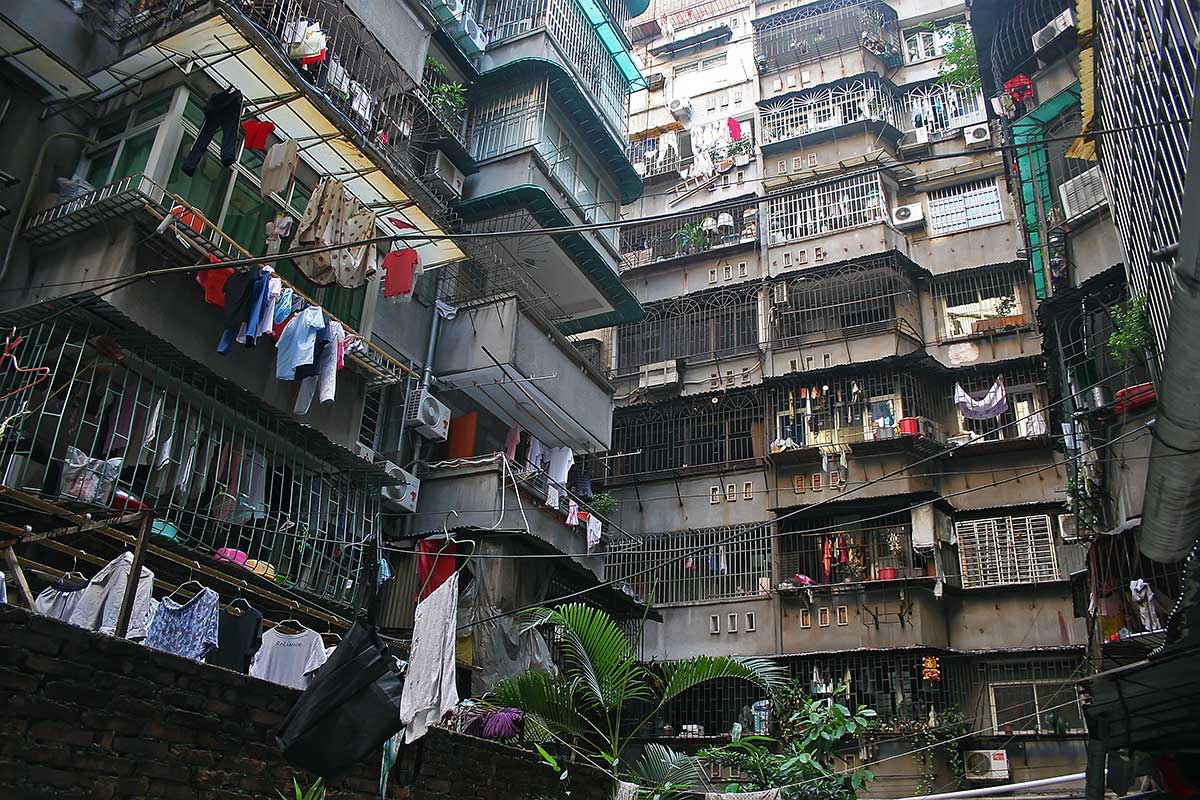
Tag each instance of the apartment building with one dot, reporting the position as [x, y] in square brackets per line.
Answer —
[841, 285]
[430, 127]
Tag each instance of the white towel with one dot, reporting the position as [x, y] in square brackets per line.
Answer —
[430, 691]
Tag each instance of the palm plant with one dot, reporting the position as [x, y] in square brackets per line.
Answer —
[602, 685]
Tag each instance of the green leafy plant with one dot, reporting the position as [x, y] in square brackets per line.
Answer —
[960, 63]
[314, 792]
[603, 504]
[1006, 305]
[1132, 335]
[602, 685]
[692, 238]
[665, 774]
[449, 98]
[434, 66]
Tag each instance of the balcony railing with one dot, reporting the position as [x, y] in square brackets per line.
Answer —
[696, 234]
[813, 32]
[941, 109]
[661, 155]
[124, 422]
[850, 556]
[849, 203]
[821, 109]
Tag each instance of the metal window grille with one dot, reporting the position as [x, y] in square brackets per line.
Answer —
[921, 43]
[706, 324]
[372, 416]
[827, 209]
[823, 108]
[510, 18]
[507, 121]
[850, 300]
[966, 206]
[812, 32]
[978, 302]
[735, 562]
[222, 471]
[701, 232]
[694, 433]
[1006, 550]
[877, 552]
[1114, 561]
[939, 108]
[1012, 40]
[1145, 82]
[654, 155]
[1025, 387]
[1035, 695]
[580, 43]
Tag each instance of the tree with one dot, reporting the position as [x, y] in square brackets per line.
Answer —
[960, 64]
[602, 685]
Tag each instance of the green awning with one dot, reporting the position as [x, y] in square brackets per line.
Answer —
[637, 7]
[612, 40]
[591, 124]
[577, 246]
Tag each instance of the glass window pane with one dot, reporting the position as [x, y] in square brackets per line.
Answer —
[193, 112]
[152, 109]
[112, 126]
[206, 189]
[1015, 705]
[253, 160]
[101, 163]
[1059, 707]
[135, 154]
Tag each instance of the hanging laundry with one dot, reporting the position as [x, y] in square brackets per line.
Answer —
[224, 111]
[1019, 88]
[445, 310]
[213, 283]
[278, 167]
[323, 340]
[59, 599]
[511, 440]
[239, 635]
[244, 295]
[309, 45]
[537, 455]
[826, 560]
[436, 561]
[735, 129]
[100, 602]
[572, 513]
[186, 629]
[689, 564]
[1143, 598]
[324, 382]
[297, 343]
[255, 133]
[285, 308]
[844, 467]
[722, 560]
[594, 529]
[362, 102]
[561, 460]
[430, 687]
[332, 218]
[400, 271]
[337, 79]
[288, 659]
[990, 406]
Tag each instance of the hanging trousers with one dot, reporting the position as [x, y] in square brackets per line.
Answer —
[224, 111]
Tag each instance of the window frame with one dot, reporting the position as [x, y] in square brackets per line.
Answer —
[940, 206]
[1055, 686]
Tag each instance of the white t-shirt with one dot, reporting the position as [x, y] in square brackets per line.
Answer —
[288, 658]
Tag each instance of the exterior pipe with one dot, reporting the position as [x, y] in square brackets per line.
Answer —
[1171, 508]
[435, 327]
[29, 189]
[1008, 788]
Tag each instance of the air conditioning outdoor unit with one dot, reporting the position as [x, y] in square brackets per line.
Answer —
[986, 765]
[681, 108]
[444, 177]
[1055, 28]
[928, 429]
[471, 37]
[403, 494]
[977, 135]
[909, 216]
[1066, 528]
[921, 134]
[1082, 193]
[659, 375]
[428, 416]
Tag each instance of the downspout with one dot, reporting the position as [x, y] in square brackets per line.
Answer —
[435, 327]
[29, 189]
[1171, 508]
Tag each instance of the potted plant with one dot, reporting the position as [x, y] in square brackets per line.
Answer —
[603, 504]
[692, 238]
[1129, 342]
[449, 99]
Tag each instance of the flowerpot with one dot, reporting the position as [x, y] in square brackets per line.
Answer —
[1132, 397]
[887, 573]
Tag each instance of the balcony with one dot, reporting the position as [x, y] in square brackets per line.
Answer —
[526, 375]
[124, 422]
[860, 555]
[814, 115]
[704, 234]
[810, 33]
[828, 209]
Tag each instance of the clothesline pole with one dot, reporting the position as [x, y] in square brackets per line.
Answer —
[135, 577]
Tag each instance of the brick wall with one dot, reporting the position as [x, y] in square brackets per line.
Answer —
[91, 717]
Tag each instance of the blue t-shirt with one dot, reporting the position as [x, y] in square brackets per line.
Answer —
[188, 630]
[297, 343]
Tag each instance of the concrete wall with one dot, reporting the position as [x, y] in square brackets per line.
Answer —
[1029, 615]
[90, 717]
[814, 73]
[62, 32]
[841, 246]
[401, 30]
[873, 615]
[1126, 464]
[664, 280]
[685, 630]
[968, 479]
[1094, 247]
[662, 509]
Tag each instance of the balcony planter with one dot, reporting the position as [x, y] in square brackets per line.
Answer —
[998, 323]
[887, 573]
[741, 159]
[1134, 397]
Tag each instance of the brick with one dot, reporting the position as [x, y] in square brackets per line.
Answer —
[48, 665]
[166, 770]
[172, 791]
[195, 758]
[139, 747]
[103, 764]
[89, 694]
[16, 681]
[45, 776]
[182, 698]
[63, 732]
[35, 707]
[42, 643]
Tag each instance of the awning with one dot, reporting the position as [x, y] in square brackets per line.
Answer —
[712, 36]
[567, 90]
[33, 60]
[577, 246]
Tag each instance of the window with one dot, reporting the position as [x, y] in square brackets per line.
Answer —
[748, 491]
[798, 483]
[712, 275]
[827, 209]
[812, 159]
[723, 99]
[977, 303]
[745, 375]
[685, 69]
[843, 615]
[714, 494]
[782, 167]
[805, 618]
[751, 622]
[741, 176]
[802, 255]
[823, 617]
[727, 271]
[817, 477]
[797, 163]
[731, 493]
[712, 62]
[710, 102]
[787, 259]
[742, 269]
[966, 206]
[826, 361]
[731, 624]
[921, 44]
[1036, 707]
[714, 624]
[737, 96]
[1006, 550]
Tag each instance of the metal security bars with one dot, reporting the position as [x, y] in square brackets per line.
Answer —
[695, 433]
[1025, 417]
[862, 200]
[662, 154]
[1005, 550]
[709, 324]
[1012, 41]
[851, 555]
[1032, 696]
[855, 299]
[124, 422]
[938, 108]
[965, 206]
[735, 562]
[701, 232]
[818, 411]
[978, 302]
[508, 120]
[812, 32]
[825, 108]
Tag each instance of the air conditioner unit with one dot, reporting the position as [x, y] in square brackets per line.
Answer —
[779, 293]
[1055, 28]
[928, 429]
[681, 108]
[977, 135]
[444, 177]
[909, 216]
[471, 38]
[921, 134]
[659, 375]
[428, 416]
[986, 765]
[1066, 528]
[403, 494]
[1082, 193]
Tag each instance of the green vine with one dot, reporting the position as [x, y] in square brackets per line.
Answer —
[940, 734]
[1133, 335]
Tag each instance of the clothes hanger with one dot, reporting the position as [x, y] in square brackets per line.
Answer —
[233, 608]
[186, 583]
[11, 343]
[294, 622]
[329, 631]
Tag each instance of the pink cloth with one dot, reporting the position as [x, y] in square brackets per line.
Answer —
[572, 513]
[735, 129]
[511, 441]
[231, 555]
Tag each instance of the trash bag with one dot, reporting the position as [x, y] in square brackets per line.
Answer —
[351, 707]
